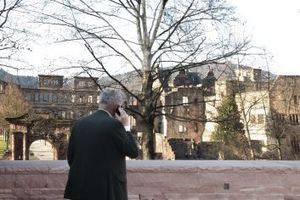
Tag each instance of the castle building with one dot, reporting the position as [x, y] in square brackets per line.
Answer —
[285, 116]
[54, 105]
[269, 110]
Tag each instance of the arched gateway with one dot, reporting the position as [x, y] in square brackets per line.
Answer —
[41, 150]
[27, 129]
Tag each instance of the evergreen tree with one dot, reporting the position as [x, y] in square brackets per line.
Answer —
[230, 133]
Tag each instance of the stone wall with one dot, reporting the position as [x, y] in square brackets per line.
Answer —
[162, 180]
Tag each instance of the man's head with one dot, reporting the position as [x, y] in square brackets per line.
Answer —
[111, 99]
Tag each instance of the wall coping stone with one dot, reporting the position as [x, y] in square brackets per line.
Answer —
[170, 166]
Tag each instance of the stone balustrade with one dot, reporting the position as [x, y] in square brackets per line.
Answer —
[162, 180]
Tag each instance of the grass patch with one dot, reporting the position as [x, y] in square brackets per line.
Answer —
[2, 146]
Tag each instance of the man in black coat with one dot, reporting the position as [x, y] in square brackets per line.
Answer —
[97, 149]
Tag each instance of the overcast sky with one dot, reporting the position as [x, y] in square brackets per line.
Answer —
[275, 26]
[272, 24]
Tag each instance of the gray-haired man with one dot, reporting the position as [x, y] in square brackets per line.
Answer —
[97, 149]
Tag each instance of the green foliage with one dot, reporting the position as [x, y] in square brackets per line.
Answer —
[2, 146]
[230, 133]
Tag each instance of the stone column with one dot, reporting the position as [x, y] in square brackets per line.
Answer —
[12, 146]
[164, 119]
[25, 156]
[55, 153]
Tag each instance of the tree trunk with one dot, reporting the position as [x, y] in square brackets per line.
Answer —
[279, 149]
[147, 110]
[252, 151]
[148, 142]
[244, 115]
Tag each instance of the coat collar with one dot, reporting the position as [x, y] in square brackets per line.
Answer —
[100, 109]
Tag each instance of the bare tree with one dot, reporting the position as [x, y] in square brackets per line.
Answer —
[8, 44]
[13, 104]
[148, 37]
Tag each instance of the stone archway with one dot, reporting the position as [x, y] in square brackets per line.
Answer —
[52, 131]
[41, 150]
[26, 129]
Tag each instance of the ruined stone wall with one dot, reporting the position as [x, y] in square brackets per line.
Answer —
[285, 110]
[185, 109]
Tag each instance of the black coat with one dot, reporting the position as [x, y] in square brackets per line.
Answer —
[96, 155]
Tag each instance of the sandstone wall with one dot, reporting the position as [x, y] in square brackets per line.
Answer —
[161, 180]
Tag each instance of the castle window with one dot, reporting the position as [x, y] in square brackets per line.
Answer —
[46, 83]
[55, 82]
[294, 119]
[132, 101]
[295, 144]
[252, 119]
[73, 98]
[81, 84]
[185, 100]
[132, 121]
[41, 97]
[260, 119]
[54, 97]
[28, 97]
[90, 84]
[171, 110]
[46, 97]
[195, 100]
[1, 88]
[63, 114]
[186, 110]
[71, 114]
[181, 129]
[295, 99]
[90, 99]
[36, 97]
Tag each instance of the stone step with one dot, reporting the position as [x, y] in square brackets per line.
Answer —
[133, 197]
[137, 197]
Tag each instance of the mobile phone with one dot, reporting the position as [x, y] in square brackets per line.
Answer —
[118, 111]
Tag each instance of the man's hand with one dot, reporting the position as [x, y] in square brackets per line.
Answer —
[123, 117]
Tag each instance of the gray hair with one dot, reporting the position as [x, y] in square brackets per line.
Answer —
[111, 96]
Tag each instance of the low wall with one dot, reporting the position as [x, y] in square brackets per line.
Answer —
[160, 180]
